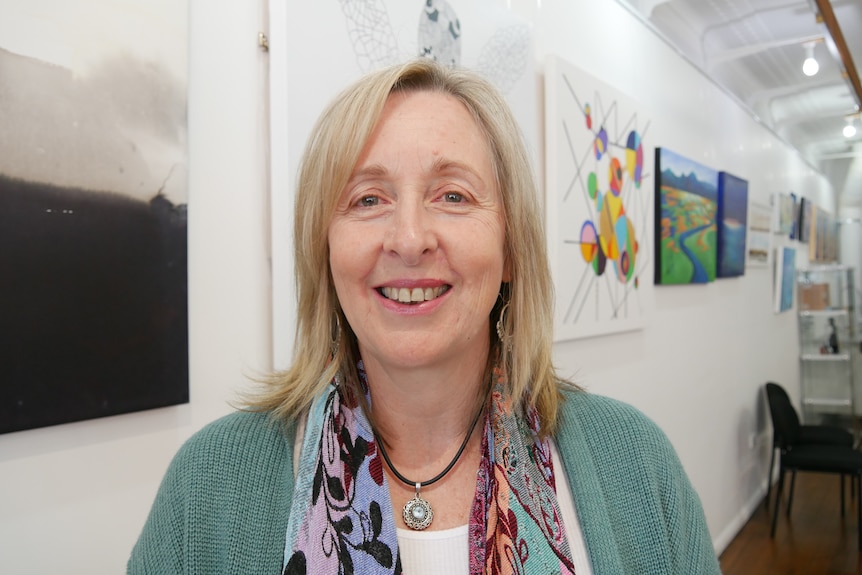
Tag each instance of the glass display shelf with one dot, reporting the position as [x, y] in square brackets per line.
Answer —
[827, 343]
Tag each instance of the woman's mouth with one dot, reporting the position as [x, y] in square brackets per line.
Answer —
[412, 295]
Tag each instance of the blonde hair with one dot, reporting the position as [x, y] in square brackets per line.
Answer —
[328, 161]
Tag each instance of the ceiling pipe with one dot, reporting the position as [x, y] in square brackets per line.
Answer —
[824, 8]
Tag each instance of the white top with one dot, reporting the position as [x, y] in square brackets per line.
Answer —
[446, 552]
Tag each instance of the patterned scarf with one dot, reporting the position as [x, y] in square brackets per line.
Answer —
[341, 519]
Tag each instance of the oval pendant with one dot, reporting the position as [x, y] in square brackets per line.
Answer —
[417, 513]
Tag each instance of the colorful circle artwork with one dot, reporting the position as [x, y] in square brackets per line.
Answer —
[590, 249]
[615, 175]
[635, 158]
[593, 186]
[600, 145]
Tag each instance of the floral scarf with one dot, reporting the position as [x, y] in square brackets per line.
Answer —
[341, 518]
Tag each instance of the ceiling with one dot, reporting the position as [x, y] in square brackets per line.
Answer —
[755, 49]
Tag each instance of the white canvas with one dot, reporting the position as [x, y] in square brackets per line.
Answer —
[759, 235]
[600, 188]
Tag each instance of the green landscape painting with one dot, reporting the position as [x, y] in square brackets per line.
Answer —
[686, 208]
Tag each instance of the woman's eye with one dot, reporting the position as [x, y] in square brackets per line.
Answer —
[453, 197]
[368, 201]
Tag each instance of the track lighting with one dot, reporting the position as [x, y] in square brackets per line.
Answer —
[810, 65]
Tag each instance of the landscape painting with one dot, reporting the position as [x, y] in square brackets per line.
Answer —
[93, 204]
[732, 225]
[686, 208]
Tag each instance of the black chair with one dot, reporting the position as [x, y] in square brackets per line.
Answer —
[805, 434]
[796, 456]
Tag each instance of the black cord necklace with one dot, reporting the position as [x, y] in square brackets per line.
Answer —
[417, 512]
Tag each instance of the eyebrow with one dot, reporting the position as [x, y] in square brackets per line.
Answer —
[444, 164]
[372, 170]
[439, 165]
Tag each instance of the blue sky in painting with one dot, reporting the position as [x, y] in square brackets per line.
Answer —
[681, 165]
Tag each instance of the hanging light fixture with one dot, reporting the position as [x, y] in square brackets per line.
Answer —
[810, 65]
[849, 130]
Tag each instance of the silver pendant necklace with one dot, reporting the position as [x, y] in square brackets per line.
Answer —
[417, 512]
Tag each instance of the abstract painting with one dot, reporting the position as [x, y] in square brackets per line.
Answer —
[93, 194]
[686, 207]
[785, 278]
[732, 225]
[598, 204]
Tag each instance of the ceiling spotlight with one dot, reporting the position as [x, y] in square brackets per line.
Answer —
[810, 65]
[849, 129]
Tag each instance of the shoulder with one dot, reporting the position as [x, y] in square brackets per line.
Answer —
[630, 487]
[605, 418]
[231, 450]
[227, 452]
[622, 442]
[229, 486]
[239, 432]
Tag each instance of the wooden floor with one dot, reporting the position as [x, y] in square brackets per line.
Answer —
[816, 540]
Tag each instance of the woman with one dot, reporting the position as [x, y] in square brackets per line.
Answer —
[421, 426]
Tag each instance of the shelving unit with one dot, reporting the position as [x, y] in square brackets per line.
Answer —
[828, 344]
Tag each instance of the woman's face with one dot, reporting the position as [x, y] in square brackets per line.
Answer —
[417, 239]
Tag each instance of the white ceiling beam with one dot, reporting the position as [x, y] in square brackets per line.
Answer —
[751, 49]
[645, 7]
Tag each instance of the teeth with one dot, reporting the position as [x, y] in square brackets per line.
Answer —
[415, 295]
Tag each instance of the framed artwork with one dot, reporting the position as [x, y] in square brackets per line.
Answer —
[825, 236]
[93, 203]
[820, 248]
[794, 227]
[832, 239]
[313, 58]
[785, 278]
[732, 225]
[804, 220]
[686, 207]
[785, 207]
[598, 200]
[759, 235]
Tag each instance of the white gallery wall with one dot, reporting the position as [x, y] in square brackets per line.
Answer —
[74, 497]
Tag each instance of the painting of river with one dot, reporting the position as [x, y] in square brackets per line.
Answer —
[686, 210]
[732, 225]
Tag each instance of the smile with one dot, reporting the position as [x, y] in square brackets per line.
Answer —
[415, 295]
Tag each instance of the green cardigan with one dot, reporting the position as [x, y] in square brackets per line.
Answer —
[223, 504]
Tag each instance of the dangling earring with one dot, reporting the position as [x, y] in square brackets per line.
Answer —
[502, 335]
[334, 334]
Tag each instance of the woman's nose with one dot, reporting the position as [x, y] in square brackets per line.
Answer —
[411, 233]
